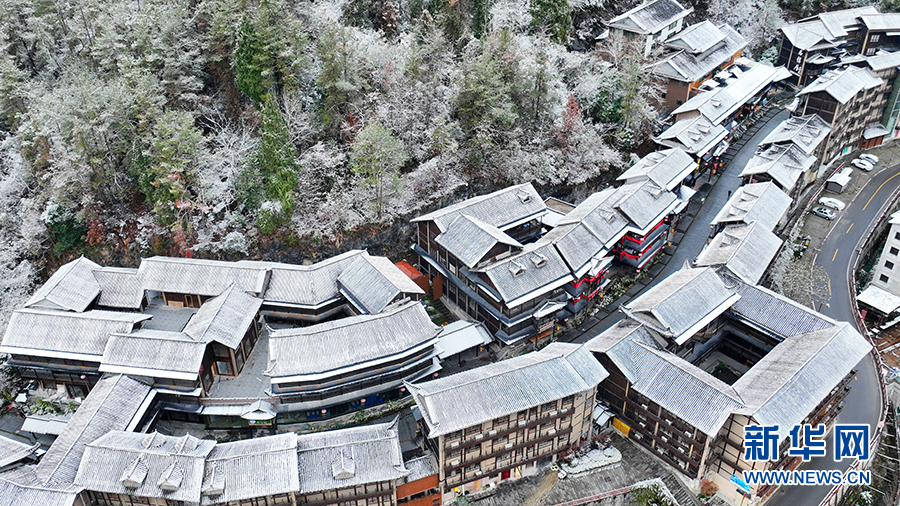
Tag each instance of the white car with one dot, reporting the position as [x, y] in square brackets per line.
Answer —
[862, 164]
[833, 203]
[869, 157]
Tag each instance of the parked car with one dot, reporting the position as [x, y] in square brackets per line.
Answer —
[833, 203]
[823, 212]
[869, 157]
[861, 164]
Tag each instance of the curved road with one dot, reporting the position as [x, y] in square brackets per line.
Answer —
[837, 256]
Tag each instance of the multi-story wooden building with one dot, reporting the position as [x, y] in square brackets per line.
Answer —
[809, 46]
[500, 421]
[703, 354]
[852, 101]
[194, 328]
[492, 256]
[699, 52]
[332, 368]
[808, 133]
[783, 164]
[359, 466]
[651, 23]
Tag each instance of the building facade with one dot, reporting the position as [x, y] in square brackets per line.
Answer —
[519, 412]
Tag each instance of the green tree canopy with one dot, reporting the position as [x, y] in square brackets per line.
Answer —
[377, 156]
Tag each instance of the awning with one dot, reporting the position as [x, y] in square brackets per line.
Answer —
[879, 299]
[601, 415]
[793, 105]
[875, 131]
[45, 424]
[259, 410]
[460, 336]
[547, 308]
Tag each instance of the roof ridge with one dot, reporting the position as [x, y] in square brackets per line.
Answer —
[789, 379]
[490, 374]
[83, 428]
[227, 292]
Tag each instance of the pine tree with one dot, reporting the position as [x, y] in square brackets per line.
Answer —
[378, 156]
[553, 17]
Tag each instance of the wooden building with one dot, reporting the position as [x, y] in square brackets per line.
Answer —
[699, 52]
[518, 413]
[703, 354]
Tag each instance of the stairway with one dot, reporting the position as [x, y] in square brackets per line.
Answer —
[682, 495]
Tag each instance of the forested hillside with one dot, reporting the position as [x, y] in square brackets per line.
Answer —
[290, 129]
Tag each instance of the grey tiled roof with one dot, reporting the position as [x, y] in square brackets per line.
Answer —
[695, 135]
[745, 250]
[784, 163]
[478, 395]
[111, 405]
[785, 385]
[12, 451]
[536, 270]
[827, 27]
[500, 209]
[578, 246]
[71, 287]
[420, 467]
[667, 168]
[782, 388]
[337, 459]
[353, 341]
[679, 302]
[225, 318]
[882, 22]
[155, 353]
[252, 468]
[883, 61]
[697, 38]
[15, 494]
[469, 239]
[51, 333]
[650, 17]
[687, 67]
[682, 388]
[374, 282]
[598, 213]
[807, 132]
[763, 203]
[119, 287]
[843, 84]
[776, 313]
[625, 329]
[201, 277]
[305, 285]
[160, 466]
[644, 203]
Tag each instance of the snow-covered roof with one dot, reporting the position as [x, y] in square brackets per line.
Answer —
[478, 395]
[843, 84]
[744, 249]
[650, 17]
[686, 66]
[371, 283]
[354, 342]
[807, 132]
